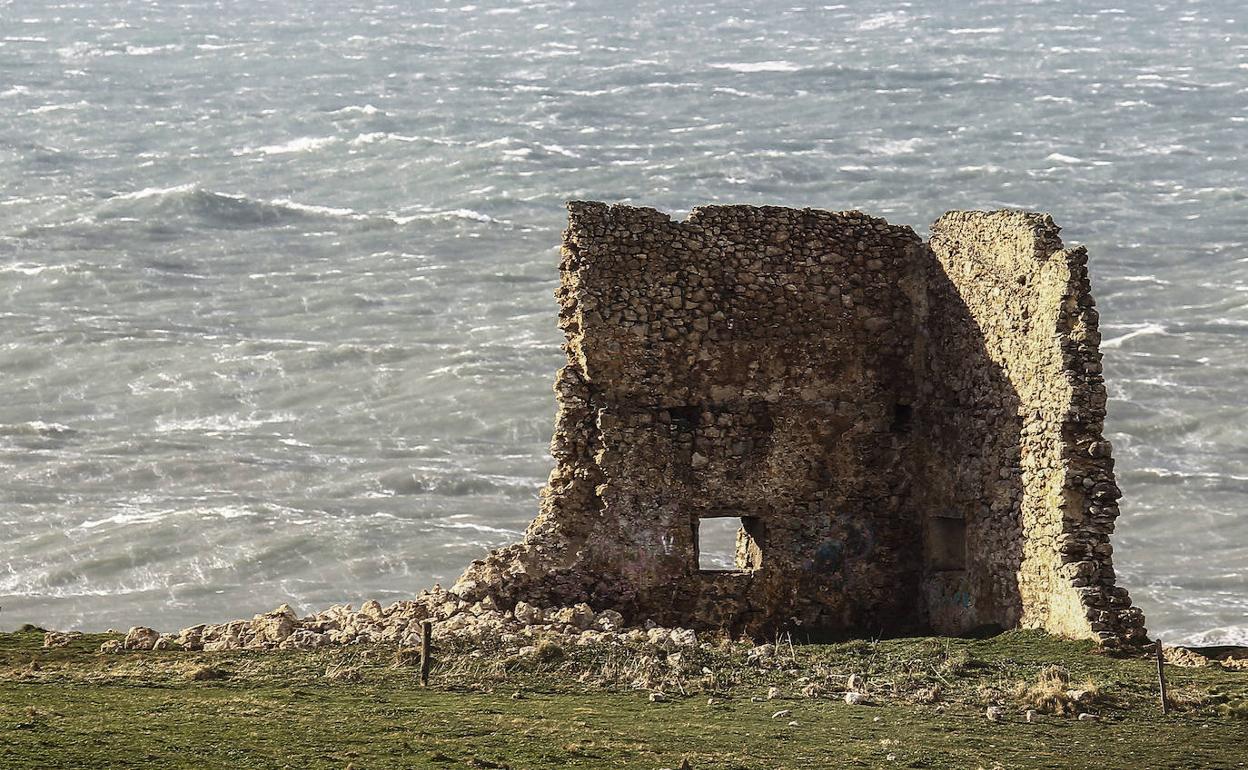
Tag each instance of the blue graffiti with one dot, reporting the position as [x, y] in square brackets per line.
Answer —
[829, 556]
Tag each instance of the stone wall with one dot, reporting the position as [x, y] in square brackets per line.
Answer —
[1014, 441]
[889, 422]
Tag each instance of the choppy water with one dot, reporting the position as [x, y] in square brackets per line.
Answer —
[276, 318]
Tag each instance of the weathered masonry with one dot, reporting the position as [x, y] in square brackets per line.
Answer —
[907, 434]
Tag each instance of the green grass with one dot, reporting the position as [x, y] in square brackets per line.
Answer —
[356, 707]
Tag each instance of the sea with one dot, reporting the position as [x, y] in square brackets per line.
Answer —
[276, 312]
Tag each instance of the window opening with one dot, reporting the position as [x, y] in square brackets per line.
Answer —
[729, 543]
[946, 545]
[903, 414]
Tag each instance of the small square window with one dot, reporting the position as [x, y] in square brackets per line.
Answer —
[729, 543]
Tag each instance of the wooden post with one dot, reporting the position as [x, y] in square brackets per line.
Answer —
[426, 644]
[1161, 679]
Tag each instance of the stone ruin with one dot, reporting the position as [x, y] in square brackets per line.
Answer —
[908, 434]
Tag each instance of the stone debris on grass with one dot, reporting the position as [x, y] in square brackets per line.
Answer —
[760, 654]
[454, 620]
[141, 638]
[56, 639]
[1233, 659]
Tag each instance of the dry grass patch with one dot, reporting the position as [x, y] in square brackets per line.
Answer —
[343, 673]
[1052, 693]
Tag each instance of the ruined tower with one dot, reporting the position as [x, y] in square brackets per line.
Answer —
[908, 433]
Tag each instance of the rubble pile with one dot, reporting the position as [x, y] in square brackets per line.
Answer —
[480, 623]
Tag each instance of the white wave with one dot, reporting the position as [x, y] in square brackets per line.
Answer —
[1143, 330]
[219, 47]
[30, 268]
[137, 580]
[1228, 636]
[302, 144]
[597, 92]
[228, 511]
[500, 142]
[1144, 279]
[36, 428]
[14, 91]
[1167, 473]
[23, 39]
[891, 147]
[1164, 150]
[475, 216]
[478, 528]
[1071, 160]
[278, 203]
[689, 129]
[56, 108]
[976, 30]
[1054, 99]
[366, 109]
[162, 383]
[559, 150]
[153, 192]
[309, 208]
[882, 20]
[758, 66]
[133, 516]
[148, 50]
[1060, 158]
[228, 423]
[83, 50]
[381, 136]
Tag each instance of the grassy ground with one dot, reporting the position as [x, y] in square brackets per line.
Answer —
[361, 708]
